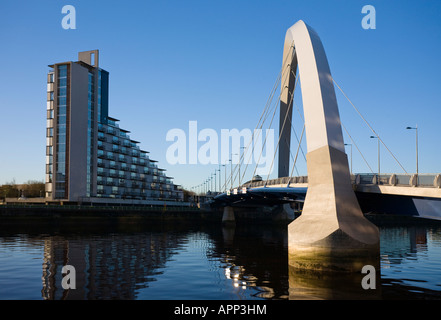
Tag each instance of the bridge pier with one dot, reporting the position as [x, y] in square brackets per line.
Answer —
[286, 213]
[331, 234]
[228, 216]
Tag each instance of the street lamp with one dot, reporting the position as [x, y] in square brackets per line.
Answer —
[233, 154]
[214, 180]
[374, 137]
[349, 144]
[219, 170]
[239, 164]
[225, 181]
[231, 173]
[416, 139]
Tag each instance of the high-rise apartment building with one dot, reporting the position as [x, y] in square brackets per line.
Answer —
[89, 158]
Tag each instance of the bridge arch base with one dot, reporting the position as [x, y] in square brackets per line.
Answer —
[332, 234]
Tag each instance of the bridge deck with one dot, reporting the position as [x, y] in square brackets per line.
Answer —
[404, 185]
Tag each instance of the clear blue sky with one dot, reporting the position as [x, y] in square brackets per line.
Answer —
[171, 62]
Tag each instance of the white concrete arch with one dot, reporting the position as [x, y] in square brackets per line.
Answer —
[322, 119]
[331, 224]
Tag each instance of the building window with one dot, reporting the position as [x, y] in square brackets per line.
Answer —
[50, 132]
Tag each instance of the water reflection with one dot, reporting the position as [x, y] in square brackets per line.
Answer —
[411, 261]
[254, 258]
[107, 267]
[202, 261]
[326, 286]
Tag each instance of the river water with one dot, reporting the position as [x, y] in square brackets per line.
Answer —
[198, 261]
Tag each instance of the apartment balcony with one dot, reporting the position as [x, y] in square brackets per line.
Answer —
[115, 149]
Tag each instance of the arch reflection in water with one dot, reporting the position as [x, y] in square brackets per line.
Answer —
[331, 286]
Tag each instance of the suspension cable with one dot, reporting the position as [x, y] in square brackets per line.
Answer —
[283, 126]
[297, 153]
[264, 116]
[370, 127]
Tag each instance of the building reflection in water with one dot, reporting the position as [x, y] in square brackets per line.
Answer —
[113, 267]
[248, 262]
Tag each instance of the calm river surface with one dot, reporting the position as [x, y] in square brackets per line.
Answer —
[200, 261]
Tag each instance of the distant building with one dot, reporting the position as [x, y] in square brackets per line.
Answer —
[89, 158]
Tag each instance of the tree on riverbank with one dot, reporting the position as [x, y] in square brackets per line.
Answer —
[30, 189]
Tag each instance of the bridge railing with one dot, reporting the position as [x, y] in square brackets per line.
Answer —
[410, 180]
[277, 181]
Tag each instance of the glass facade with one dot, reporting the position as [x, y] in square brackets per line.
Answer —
[90, 132]
[60, 165]
[103, 95]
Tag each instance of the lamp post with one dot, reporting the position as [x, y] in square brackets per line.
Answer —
[233, 154]
[240, 180]
[225, 181]
[374, 137]
[214, 180]
[349, 144]
[416, 139]
[231, 173]
[219, 170]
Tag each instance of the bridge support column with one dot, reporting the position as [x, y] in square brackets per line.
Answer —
[228, 216]
[286, 213]
[331, 234]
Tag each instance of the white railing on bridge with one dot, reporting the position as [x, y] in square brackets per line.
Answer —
[411, 180]
[278, 181]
